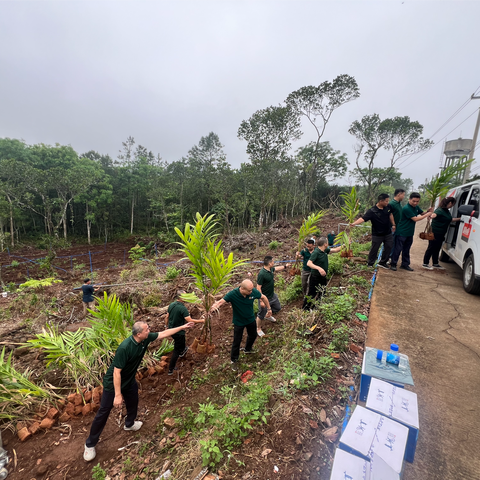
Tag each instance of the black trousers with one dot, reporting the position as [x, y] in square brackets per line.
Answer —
[316, 288]
[433, 249]
[237, 339]
[178, 348]
[130, 395]
[377, 241]
[402, 246]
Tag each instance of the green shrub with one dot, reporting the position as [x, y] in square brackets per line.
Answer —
[292, 291]
[152, 300]
[360, 247]
[39, 284]
[14, 263]
[172, 273]
[334, 309]
[335, 265]
[360, 281]
[136, 253]
[340, 338]
[98, 473]
[274, 245]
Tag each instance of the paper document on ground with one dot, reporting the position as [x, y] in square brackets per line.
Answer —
[351, 467]
[393, 402]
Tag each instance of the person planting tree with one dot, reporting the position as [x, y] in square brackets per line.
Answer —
[242, 299]
[306, 270]
[383, 223]
[88, 300]
[318, 262]
[266, 285]
[119, 384]
[178, 315]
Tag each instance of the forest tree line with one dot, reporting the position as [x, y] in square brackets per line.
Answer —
[53, 190]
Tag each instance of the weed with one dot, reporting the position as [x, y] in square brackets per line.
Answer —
[152, 300]
[10, 287]
[172, 273]
[334, 309]
[274, 245]
[136, 254]
[335, 265]
[79, 266]
[293, 290]
[98, 473]
[360, 281]
[167, 253]
[340, 338]
[39, 284]
[14, 263]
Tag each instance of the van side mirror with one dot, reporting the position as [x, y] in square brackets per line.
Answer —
[466, 210]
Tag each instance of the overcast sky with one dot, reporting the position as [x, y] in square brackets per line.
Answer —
[90, 74]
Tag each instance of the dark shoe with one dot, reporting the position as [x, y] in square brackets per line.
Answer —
[436, 265]
[408, 268]
[393, 267]
[427, 266]
[170, 372]
[248, 351]
[184, 352]
[370, 265]
[235, 366]
[382, 265]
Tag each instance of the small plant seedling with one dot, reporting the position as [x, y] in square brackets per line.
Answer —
[172, 273]
[274, 245]
[98, 473]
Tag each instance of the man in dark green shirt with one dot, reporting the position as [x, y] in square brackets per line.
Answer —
[318, 279]
[266, 285]
[411, 214]
[242, 299]
[178, 315]
[306, 270]
[119, 383]
[396, 208]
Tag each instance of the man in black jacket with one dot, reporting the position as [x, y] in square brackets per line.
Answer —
[383, 224]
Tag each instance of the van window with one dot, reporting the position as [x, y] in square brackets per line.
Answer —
[475, 198]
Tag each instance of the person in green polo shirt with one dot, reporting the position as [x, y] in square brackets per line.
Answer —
[178, 315]
[442, 219]
[242, 299]
[306, 270]
[396, 208]
[266, 285]
[318, 279]
[119, 383]
[411, 214]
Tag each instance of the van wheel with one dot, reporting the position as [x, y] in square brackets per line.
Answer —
[444, 257]
[470, 283]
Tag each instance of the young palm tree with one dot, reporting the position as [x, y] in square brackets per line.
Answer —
[350, 212]
[210, 269]
[308, 228]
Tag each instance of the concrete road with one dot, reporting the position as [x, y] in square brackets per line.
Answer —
[437, 324]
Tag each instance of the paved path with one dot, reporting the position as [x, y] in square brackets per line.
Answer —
[437, 324]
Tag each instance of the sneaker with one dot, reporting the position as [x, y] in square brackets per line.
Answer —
[408, 268]
[272, 319]
[382, 265]
[393, 267]
[248, 351]
[89, 454]
[260, 333]
[184, 352]
[136, 426]
[234, 366]
[436, 265]
[427, 266]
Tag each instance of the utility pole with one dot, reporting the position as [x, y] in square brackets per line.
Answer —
[474, 142]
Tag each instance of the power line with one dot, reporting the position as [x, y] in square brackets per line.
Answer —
[443, 125]
[435, 144]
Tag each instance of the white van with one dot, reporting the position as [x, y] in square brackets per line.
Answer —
[462, 242]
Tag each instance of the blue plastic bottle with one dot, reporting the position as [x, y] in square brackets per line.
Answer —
[393, 356]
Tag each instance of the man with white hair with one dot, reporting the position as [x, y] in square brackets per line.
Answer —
[242, 299]
[119, 384]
